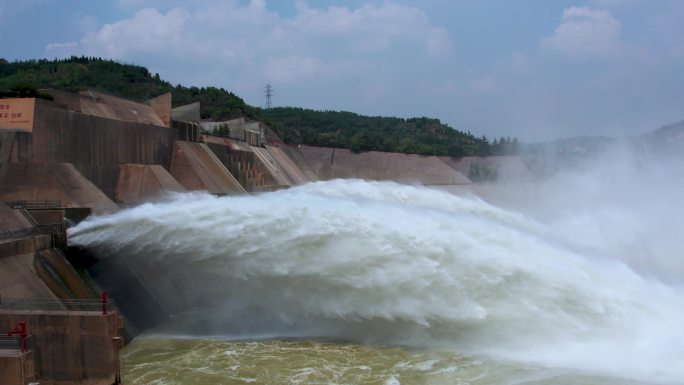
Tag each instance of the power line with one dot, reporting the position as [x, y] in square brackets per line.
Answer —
[268, 92]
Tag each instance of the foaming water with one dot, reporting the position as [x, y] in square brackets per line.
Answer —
[405, 265]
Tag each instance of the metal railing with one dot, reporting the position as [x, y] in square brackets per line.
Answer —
[14, 343]
[55, 230]
[55, 305]
[34, 204]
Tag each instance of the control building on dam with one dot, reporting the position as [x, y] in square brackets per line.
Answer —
[86, 153]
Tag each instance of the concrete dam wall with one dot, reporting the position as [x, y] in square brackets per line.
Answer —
[331, 163]
[96, 145]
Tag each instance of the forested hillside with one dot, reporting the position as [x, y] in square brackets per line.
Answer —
[295, 125]
[363, 133]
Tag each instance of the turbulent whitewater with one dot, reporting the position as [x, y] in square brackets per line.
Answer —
[383, 263]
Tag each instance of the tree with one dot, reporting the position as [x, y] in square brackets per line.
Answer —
[222, 130]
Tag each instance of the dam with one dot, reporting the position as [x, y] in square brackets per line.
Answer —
[248, 247]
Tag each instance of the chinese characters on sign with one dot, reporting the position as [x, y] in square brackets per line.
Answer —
[17, 113]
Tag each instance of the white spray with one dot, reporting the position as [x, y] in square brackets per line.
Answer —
[389, 263]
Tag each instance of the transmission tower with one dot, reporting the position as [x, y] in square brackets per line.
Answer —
[268, 93]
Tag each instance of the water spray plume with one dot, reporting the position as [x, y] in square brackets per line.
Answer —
[388, 263]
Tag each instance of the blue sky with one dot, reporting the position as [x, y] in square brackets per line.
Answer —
[535, 69]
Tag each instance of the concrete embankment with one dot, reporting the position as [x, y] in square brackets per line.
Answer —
[274, 168]
[29, 268]
[293, 163]
[32, 264]
[18, 278]
[52, 181]
[139, 183]
[331, 163]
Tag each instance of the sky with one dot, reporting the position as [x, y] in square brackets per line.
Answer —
[533, 69]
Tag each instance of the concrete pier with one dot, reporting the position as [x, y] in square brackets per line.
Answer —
[79, 347]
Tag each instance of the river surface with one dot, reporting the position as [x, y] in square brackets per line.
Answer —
[219, 362]
[424, 286]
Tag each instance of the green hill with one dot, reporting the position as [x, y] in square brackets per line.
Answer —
[364, 133]
[295, 125]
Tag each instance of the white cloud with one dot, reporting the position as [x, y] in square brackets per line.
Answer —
[314, 41]
[230, 43]
[372, 28]
[147, 31]
[585, 32]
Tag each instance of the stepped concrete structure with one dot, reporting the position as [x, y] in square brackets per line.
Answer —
[243, 163]
[197, 168]
[140, 183]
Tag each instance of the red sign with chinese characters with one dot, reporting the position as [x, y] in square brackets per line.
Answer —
[17, 113]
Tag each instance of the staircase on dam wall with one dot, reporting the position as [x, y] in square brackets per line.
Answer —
[242, 164]
[257, 168]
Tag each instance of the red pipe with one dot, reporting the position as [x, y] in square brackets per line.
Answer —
[20, 330]
[104, 302]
